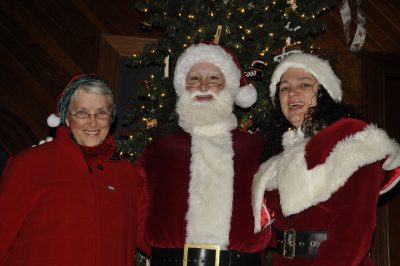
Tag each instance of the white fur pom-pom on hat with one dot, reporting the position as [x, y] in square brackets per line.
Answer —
[312, 64]
[246, 96]
[53, 120]
[235, 81]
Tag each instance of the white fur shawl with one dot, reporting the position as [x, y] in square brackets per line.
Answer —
[299, 187]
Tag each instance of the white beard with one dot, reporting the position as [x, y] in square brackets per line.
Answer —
[209, 124]
[193, 113]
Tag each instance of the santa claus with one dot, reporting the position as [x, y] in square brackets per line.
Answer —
[199, 179]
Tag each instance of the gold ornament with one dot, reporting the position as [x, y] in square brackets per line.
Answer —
[292, 4]
[151, 123]
[246, 123]
[217, 34]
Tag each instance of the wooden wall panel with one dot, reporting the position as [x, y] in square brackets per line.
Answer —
[43, 44]
[381, 91]
[385, 33]
[68, 28]
[21, 94]
[22, 46]
[23, 134]
[383, 25]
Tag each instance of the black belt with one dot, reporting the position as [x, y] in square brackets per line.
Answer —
[203, 255]
[293, 244]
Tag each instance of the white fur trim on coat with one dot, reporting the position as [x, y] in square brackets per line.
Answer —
[210, 189]
[391, 185]
[266, 174]
[288, 171]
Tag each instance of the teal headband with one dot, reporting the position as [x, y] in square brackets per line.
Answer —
[65, 98]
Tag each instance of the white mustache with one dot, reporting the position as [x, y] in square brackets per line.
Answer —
[203, 93]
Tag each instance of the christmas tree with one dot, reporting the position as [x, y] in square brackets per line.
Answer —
[259, 33]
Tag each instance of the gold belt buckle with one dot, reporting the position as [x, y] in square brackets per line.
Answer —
[291, 243]
[205, 246]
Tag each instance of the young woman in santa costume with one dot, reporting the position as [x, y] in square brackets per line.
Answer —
[324, 186]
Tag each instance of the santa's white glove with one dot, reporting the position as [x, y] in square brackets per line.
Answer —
[47, 139]
[392, 161]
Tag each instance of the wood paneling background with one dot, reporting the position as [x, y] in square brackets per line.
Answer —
[383, 35]
[44, 42]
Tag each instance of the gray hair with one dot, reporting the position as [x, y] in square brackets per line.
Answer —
[97, 87]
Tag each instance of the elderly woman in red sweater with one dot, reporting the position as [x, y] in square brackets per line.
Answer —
[72, 201]
[324, 186]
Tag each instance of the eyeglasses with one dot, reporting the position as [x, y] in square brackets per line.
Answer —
[102, 115]
[213, 80]
[283, 88]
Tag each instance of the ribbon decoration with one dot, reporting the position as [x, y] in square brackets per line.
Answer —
[361, 32]
[166, 67]
[217, 34]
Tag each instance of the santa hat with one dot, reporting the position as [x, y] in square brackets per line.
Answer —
[312, 64]
[63, 101]
[235, 80]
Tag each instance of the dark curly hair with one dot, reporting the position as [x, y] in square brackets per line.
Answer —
[326, 112]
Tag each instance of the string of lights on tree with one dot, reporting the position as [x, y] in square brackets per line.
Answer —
[260, 33]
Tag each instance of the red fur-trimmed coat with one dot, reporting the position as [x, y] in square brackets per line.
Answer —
[224, 165]
[331, 182]
[55, 212]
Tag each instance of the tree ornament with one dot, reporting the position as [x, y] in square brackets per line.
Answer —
[292, 4]
[246, 123]
[288, 41]
[151, 123]
[146, 26]
[287, 50]
[217, 34]
[166, 67]
[287, 27]
[361, 31]
[255, 71]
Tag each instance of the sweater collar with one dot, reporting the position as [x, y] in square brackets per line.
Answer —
[93, 155]
[98, 154]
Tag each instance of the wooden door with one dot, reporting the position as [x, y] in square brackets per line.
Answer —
[381, 93]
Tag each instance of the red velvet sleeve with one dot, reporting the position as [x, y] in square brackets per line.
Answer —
[142, 206]
[353, 221]
[16, 201]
